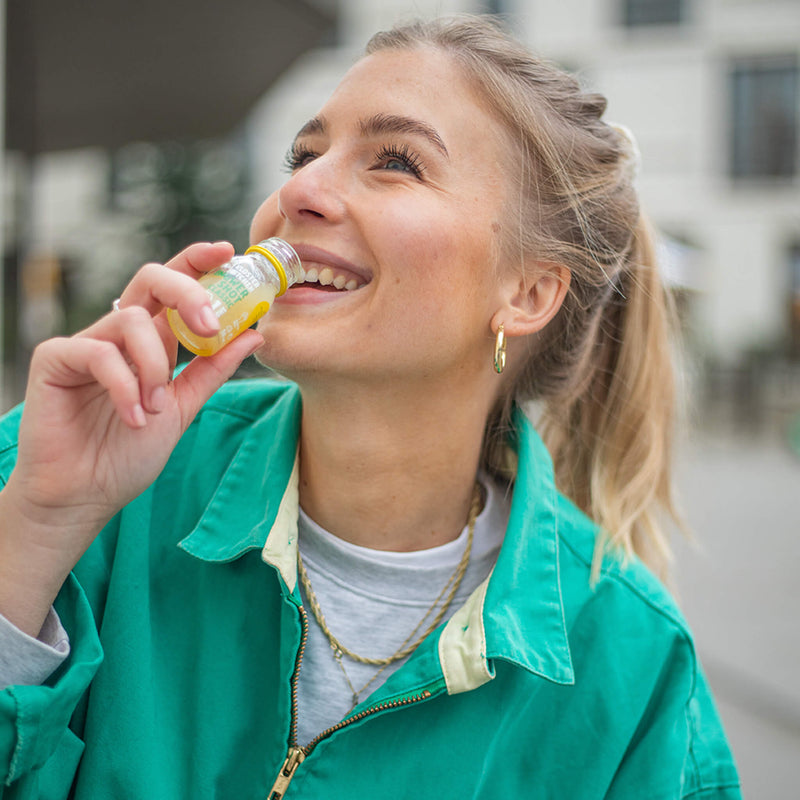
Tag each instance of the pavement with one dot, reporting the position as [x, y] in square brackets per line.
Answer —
[739, 586]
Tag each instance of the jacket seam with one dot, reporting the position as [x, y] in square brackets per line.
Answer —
[698, 775]
[226, 412]
[715, 788]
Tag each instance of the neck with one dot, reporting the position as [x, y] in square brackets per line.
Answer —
[391, 470]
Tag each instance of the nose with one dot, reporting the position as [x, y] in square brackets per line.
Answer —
[313, 192]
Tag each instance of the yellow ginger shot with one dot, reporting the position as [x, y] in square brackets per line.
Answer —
[241, 292]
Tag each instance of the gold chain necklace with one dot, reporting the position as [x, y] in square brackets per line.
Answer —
[453, 582]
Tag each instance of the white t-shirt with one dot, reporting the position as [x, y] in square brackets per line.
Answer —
[372, 600]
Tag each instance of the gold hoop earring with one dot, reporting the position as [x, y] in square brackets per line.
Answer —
[500, 350]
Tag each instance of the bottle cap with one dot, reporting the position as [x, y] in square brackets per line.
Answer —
[283, 257]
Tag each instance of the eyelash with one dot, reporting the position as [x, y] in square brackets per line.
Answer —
[296, 157]
[299, 154]
[404, 154]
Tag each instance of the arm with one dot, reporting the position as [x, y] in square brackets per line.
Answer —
[100, 420]
[679, 749]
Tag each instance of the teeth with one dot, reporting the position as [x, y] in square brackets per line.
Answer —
[327, 277]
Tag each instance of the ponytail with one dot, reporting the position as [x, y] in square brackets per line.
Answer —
[611, 437]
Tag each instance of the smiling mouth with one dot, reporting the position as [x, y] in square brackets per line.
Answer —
[325, 272]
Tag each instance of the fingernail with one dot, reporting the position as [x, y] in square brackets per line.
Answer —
[209, 318]
[158, 399]
[137, 414]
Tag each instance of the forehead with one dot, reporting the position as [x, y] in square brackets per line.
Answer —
[420, 73]
[422, 83]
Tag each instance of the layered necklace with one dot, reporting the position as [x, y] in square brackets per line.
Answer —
[412, 641]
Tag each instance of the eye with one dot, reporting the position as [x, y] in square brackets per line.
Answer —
[399, 159]
[298, 156]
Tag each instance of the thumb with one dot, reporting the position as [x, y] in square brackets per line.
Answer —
[204, 375]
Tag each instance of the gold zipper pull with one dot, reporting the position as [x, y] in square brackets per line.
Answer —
[293, 761]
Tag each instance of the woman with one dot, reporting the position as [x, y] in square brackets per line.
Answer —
[470, 632]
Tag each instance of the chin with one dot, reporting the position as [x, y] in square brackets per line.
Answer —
[289, 361]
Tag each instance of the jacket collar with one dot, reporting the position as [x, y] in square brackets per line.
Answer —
[516, 615]
[249, 503]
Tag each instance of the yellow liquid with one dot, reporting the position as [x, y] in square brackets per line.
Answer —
[233, 319]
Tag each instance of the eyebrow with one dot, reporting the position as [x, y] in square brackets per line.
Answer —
[379, 124]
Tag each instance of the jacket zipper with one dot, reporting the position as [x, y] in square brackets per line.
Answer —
[293, 761]
[297, 754]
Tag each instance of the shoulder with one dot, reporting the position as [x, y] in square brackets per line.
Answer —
[633, 586]
[624, 623]
[242, 417]
[247, 400]
[621, 615]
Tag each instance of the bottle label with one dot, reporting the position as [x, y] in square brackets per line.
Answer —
[233, 284]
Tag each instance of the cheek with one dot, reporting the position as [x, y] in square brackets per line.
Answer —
[445, 275]
[451, 254]
[424, 240]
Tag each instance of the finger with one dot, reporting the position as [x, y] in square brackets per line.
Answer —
[156, 286]
[193, 262]
[204, 375]
[199, 258]
[70, 363]
[134, 332]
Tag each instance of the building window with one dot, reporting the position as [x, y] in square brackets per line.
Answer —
[764, 124]
[636, 13]
[493, 7]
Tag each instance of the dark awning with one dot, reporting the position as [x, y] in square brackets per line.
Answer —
[109, 72]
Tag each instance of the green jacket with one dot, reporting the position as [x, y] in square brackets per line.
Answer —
[186, 647]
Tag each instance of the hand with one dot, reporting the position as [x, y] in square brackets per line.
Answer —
[102, 416]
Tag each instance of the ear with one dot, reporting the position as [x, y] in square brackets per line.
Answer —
[531, 301]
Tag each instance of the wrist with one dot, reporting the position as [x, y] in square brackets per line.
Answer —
[36, 556]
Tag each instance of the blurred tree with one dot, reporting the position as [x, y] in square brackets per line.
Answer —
[181, 193]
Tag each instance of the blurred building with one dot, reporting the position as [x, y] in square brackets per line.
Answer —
[709, 87]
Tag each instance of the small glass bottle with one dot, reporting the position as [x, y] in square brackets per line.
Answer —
[241, 292]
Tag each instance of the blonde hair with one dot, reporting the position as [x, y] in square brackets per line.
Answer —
[602, 369]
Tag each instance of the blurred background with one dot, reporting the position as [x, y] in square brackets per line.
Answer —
[131, 130]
